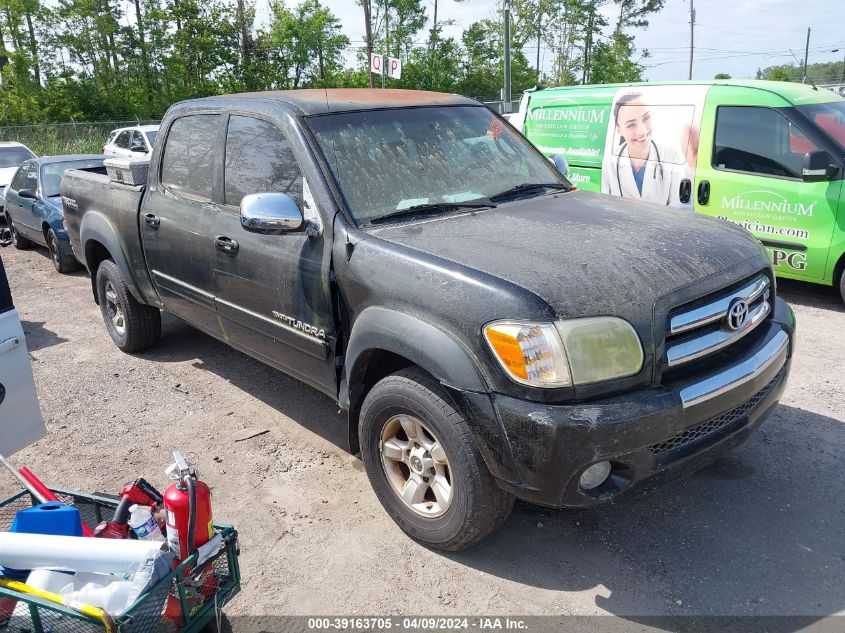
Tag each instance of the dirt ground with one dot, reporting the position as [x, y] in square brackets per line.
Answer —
[759, 532]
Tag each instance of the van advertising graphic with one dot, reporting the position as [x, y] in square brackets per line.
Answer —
[730, 152]
[652, 143]
[573, 129]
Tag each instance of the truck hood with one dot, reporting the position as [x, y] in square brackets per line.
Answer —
[585, 254]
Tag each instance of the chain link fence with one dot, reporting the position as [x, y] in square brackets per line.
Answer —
[51, 139]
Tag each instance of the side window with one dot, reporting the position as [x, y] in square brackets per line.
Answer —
[112, 136]
[17, 181]
[138, 140]
[759, 140]
[27, 177]
[122, 140]
[259, 159]
[189, 152]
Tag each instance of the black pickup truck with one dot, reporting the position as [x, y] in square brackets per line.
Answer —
[492, 332]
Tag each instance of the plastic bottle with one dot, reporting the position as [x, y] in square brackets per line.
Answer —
[144, 525]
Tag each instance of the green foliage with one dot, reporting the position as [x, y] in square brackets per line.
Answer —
[106, 60]
[821, 73]
[722, 76]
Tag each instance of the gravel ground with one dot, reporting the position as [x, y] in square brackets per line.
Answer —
[759, 532]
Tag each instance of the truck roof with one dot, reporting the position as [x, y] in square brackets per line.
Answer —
[323, 100]
[795, 93]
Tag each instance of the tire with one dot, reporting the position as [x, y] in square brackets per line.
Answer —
[63, 262]
[474, 507]
[18, 241]
[842, 283]
[132, 326]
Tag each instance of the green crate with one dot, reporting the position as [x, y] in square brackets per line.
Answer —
[185, 601]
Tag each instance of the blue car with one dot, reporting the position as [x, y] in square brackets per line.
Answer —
[34, 205]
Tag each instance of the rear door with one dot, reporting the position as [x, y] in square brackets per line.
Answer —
[272, 292]
[20, 416]
[22, 210]
[177, 216]
[749, 173]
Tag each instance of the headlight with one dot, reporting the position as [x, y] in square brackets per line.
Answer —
[530, 353]
[565, 353]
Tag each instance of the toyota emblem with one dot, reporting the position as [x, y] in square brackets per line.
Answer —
[737, 313]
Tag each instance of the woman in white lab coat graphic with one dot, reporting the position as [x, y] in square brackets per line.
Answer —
[635, 165]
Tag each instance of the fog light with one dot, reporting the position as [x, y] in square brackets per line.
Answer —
[595, 475]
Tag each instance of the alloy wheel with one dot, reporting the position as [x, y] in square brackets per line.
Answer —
[416, 466]
[115, 309]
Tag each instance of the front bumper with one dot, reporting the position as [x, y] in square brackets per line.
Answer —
[538, 451]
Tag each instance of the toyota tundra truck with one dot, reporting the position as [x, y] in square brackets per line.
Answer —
[492, 332]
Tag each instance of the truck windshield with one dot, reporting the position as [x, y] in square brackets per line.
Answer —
[394, 159]
[830, 117]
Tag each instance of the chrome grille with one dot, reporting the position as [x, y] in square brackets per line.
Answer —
[713, 424]
[702, 330]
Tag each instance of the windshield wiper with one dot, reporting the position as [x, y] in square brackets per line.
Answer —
[434, 207]
[528, 187]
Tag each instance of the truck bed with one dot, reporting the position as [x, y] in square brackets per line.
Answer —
[99, 210]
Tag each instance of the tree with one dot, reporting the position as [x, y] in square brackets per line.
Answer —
[722, 76]
[305, 45]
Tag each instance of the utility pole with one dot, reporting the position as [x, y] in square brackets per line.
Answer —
[588, 43]
[369, 31]
[691, 35]
[506, 97]
[386, 44]
[806, 54]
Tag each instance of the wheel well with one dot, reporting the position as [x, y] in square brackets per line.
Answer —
[45, 228]
[370, 367]
[95, 254]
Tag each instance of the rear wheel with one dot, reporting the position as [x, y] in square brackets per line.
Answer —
[133, 326]
[18, 241]
[424, 466]
[63, 262]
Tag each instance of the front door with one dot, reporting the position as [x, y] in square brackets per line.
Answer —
[751, 175]
[272, 291]
[177, 217]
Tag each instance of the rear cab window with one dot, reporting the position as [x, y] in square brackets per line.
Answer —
[187, 165]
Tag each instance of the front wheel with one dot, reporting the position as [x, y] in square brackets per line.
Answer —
[63, 262]
[424, 466]
[133, 326]
[842, 283]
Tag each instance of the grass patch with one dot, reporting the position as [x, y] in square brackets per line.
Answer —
[64, 138]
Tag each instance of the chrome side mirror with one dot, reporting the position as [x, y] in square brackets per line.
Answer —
[560, 164]
[271, 213]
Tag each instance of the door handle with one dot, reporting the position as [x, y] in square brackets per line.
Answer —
[704, 192]
[226, 244]
[685, 191]
[9, 344]
[152, 220]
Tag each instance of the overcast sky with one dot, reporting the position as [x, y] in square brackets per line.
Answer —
[732, 36]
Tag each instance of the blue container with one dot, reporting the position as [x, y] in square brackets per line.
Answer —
[52, 518]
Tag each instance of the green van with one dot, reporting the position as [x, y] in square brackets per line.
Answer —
[765, 155]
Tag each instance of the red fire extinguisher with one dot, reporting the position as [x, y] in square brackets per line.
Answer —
[188, 510]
